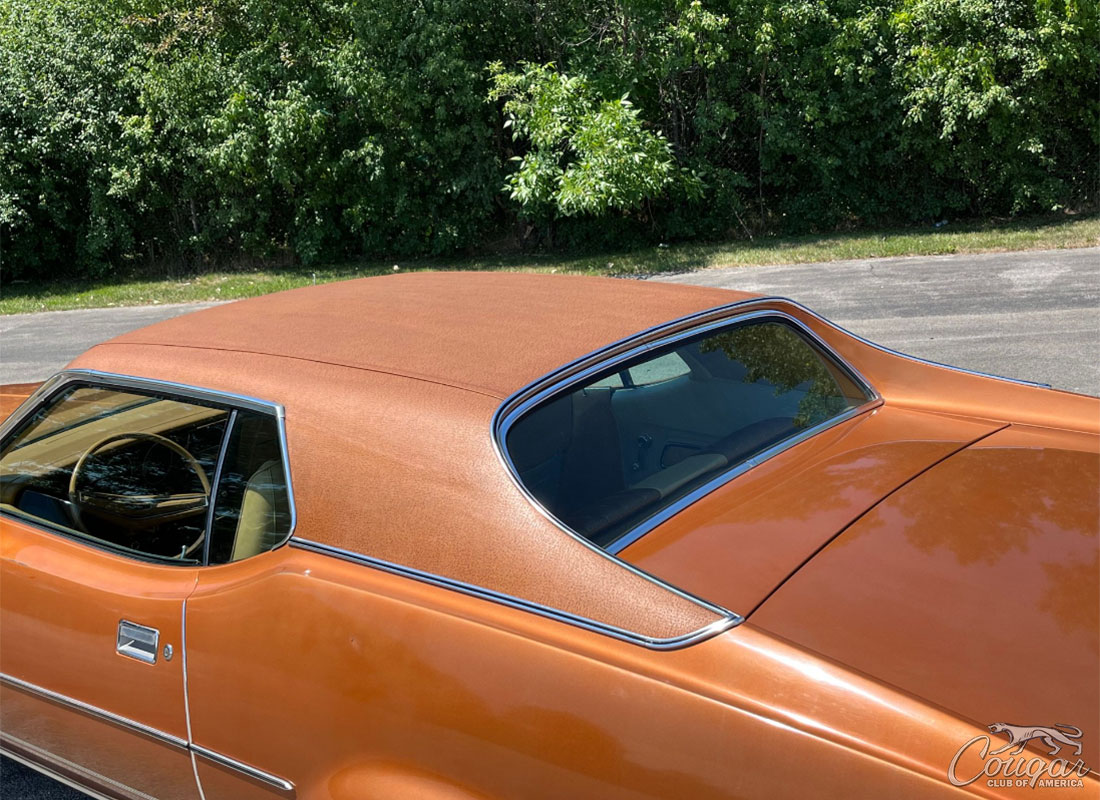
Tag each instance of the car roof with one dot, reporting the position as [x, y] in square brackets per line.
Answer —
[490, 333]
[389, 386]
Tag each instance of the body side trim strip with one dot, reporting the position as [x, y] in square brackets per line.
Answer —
[153, 733]
[265, 778]
[94, 711]
[50, 765]
[726, 619]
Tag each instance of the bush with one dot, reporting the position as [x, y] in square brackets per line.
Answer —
[139, 133]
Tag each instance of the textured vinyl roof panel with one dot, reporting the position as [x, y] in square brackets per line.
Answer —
[488, 332]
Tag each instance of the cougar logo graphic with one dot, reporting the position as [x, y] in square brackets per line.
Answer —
[1055, 737]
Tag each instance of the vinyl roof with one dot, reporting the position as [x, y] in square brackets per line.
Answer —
[490, 333]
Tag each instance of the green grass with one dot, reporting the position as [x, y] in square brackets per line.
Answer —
[19, 297]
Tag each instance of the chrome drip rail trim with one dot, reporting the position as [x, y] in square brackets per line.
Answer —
[725, 619]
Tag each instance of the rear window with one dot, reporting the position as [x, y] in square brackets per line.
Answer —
[605, 456]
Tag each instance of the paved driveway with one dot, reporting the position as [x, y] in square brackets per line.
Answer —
[34, 346]
[1033, 315]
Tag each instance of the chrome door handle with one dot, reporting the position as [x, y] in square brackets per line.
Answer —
[137, 641]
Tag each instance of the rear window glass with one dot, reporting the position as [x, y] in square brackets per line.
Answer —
[605, 456]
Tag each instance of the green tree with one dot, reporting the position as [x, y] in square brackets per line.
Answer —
[587, 154]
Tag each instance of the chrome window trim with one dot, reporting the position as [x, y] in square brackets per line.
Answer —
[215, 486]
[726, 619]
[148, 731]
[111, 380]
[521, 402]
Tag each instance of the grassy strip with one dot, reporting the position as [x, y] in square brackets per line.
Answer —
[20, 297]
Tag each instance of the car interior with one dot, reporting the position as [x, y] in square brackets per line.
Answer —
[604, 457]
[134, 472]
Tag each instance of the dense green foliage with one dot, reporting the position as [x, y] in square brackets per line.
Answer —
[587, 154]
[183, 132]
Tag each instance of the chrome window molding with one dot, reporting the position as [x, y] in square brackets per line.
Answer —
[228, 400]
[562, 379]
[145, 730]
[726, 619]
[215, 486]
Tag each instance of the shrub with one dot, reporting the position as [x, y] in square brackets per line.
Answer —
[138, 133]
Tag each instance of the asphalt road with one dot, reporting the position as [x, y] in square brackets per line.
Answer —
[34, 346]
[18, 782]
[1032, 315]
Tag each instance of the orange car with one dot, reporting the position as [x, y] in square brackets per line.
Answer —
[457, 536]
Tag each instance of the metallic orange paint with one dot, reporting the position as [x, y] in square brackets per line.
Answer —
[976, 586]
[62, 602]
[911, 575]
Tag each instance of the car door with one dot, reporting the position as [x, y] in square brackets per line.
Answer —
[104, 505]
[92, 663]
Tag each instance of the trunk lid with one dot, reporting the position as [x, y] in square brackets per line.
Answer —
[976, 586]
[737, 544]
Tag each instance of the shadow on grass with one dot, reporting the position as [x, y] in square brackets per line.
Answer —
[148, 288]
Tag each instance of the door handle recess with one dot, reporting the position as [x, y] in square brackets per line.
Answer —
[137, 641]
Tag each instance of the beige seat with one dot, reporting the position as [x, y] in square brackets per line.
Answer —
[256, 527]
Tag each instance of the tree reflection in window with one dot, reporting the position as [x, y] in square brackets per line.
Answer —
[773, 353]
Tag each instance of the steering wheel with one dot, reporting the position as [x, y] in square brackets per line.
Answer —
[129, 509]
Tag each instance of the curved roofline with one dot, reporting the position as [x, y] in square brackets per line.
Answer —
[412, 376]
[724, 619]
[488, 332]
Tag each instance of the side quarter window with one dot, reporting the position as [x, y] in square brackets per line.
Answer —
[252, 507]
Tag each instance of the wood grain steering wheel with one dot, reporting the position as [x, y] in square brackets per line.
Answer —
[131, 510]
